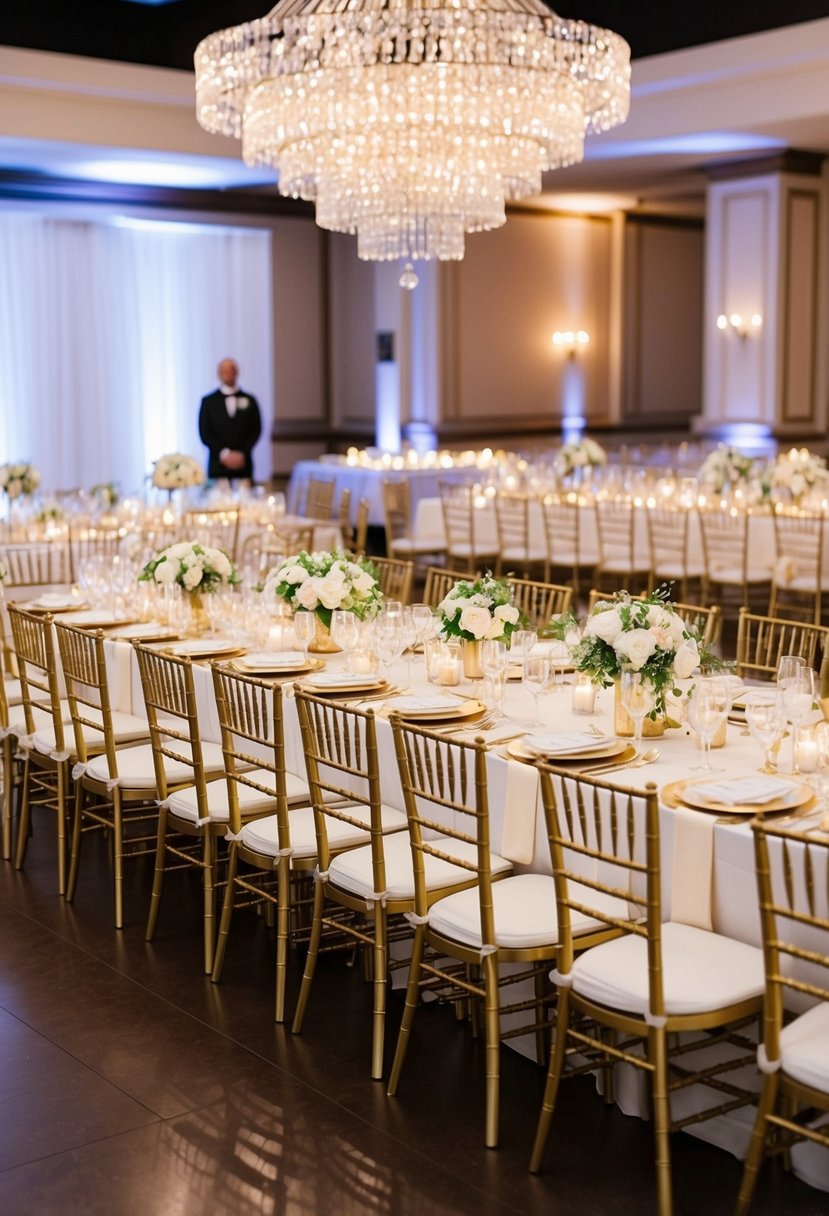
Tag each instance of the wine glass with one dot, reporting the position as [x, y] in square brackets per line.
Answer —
[305, 624]
[408, 638]
[708, 708]
[535, 677]
[638, 698]
[494, 667]
[766, 720]
[798, 701]
[424, 622]
[345, 632]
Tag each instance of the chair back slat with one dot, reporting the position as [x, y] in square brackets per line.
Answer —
[439, 582]
[39, 564]
[172, 715]
[253, 743]
[395, 577]
[763, 640]
[39, 680]
[83, 660]
[539, 601]
[319, 498]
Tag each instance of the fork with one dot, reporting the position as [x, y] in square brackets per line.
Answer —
[642, 761]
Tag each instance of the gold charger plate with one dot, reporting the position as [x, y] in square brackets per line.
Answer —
[90, 618]
[676, 794]
[618, 750]
[465, 709]
[142, 631]
[273, 669]
[204, 648]
[65, 605]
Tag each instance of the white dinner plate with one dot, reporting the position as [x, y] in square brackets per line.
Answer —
[201, 648]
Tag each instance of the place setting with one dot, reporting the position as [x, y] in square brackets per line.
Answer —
[741, 796]
[276, 663]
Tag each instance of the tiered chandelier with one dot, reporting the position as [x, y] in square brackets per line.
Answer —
[411, 124]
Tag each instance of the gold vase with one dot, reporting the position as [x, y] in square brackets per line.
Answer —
[472, 661]
[322, 643]
[199, 619]
[623, 723]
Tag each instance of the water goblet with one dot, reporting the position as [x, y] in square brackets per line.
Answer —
[798, 702]
[305, 627]
[345, 632]
[638, 698]
[408, 637]
[494, 667]
[708, 708]
[766, 720]
[535, 678]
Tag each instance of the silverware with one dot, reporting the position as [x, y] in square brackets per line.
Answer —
[635, 762]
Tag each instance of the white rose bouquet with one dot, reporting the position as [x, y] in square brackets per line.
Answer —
[19, 479]
[726, 466]
[479, 610]
[192, 566]
[580, 454]
[321, 582]
[798, 471]
[175, 471]
[105, 494]
[622, 634]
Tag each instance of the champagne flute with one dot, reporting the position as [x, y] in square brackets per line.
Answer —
[798, 701]
[345, 632]
[638, 698]
[408, 637]
[305, 625]
[766, 719]
[708, 708]
[536, 675]
[494, 667]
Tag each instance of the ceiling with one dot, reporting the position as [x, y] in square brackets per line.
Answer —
[697, 99]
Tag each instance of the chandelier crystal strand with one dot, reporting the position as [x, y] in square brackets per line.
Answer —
[411, 125]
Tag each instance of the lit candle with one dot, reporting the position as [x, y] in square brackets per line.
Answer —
[361, 663]
[584, 695]
[806, 756]
[449, 670]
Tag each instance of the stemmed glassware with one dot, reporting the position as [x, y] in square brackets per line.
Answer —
[766, 720]
[408, 637]
[494, 667]
[535, 678]
[345, 631]
[798, 700]
[305, 626]
[708, 708]
[638, 698]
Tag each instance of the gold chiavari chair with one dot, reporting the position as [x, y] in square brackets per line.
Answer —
[12, 725]
[216, 529]
[361, 527]
[91, 541]
[540, 601]
[193, 809]
[264, 550]
[728, 564]
[518, 549]
[319, 498]
[797, 581]
[705, 622]
[615, 526]
[34, 567]
[462, 547]
[671, 561]
[650, 981]
[793, 883]
[399, 525]
[271, 826]
[439, 582]
[395, 577]
[562, 527]
[344, 519]
[763, 640]
[499, 918]
[358, 889]
[115, 788]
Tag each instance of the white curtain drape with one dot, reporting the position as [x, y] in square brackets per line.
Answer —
[110, 334]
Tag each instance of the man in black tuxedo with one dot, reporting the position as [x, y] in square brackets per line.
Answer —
[229, 426]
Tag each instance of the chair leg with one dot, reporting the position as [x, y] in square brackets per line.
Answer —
[62, 775]
[381, 968]
[555, 1069]
[283, 913]
[311, 957]
[75, 844]
[658, 1051]
[493, 1049]
[409, 1009]
[227, 914]
[8, 796]
[542, 1032]
[25, 817]
[118, 856]
[209, 857]
[757, 1144]
[158, 875]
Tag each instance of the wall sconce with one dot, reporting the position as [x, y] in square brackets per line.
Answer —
[741, 326]
[570, 341]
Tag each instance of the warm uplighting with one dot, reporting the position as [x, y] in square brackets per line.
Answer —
[412, 125]
[570, 341]
[740, 325]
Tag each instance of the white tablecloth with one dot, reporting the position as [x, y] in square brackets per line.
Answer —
[368, 483]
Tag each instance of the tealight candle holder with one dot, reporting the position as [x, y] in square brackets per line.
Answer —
[449, 664]
[584, 694]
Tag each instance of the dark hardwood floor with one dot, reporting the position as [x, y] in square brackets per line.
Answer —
[129, 1085]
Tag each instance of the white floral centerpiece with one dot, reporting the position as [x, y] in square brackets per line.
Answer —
[177, 471]
[191, 565]
[321, 582]
[476, 611]
[19, 479]
[726, 466]
[799, 471]
[580, 454]
[622, 634]
[105, 494]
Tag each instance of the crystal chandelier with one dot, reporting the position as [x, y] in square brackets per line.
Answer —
[411, 124]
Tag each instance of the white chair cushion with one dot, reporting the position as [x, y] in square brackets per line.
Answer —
[521, 554]
[352, 870]
[732, 576]
[14, 696]
[701, 971]
[126, 727]
[261, 834]
[136, 771]
[804, 1048]
[420, 544]
[184, 803]
[679, 569]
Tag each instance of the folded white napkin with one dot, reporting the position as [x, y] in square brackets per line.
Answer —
[746, 791]
[340, 679]
[564, 742]
[275, 658]
[426, 704]
[56, 599]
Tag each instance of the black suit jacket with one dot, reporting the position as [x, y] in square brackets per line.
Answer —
[239, 433]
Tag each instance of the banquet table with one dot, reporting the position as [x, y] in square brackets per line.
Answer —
[368, 483]
[717, 890]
